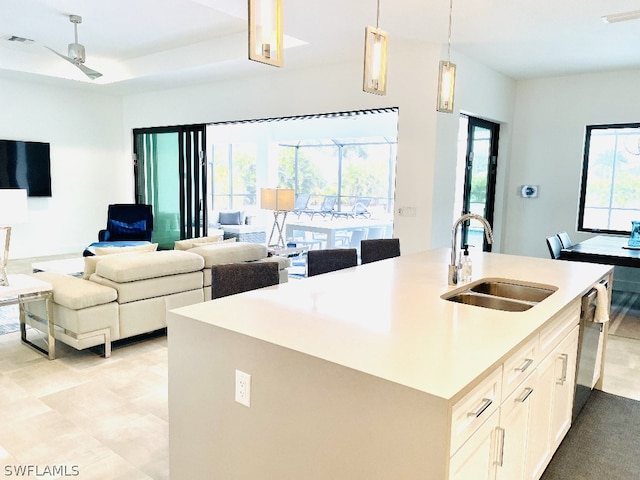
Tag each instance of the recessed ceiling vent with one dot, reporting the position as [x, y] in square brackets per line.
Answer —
[15, 38]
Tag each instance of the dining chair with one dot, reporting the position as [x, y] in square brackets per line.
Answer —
[231, 278]
[565, 240]
[330, 260]
[554, 245]
[373, 250]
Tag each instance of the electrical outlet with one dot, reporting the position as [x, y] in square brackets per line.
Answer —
[407, 211]
[243, 388]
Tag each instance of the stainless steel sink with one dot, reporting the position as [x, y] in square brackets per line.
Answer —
[516, 291]
[503, 295]
[487, 301]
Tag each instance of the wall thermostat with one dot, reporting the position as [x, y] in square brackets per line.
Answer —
[529, 191]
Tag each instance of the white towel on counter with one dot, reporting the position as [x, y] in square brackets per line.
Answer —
[602, 304]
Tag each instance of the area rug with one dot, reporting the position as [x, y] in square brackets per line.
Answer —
[625, 315]
[602, 443]
[9, 321]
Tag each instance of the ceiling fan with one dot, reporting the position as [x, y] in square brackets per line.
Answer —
[76, 53]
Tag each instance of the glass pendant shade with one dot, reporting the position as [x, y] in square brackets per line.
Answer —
[375, 61]
[446, 86]
[265, 32]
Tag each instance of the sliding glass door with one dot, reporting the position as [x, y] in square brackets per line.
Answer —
[170, 174]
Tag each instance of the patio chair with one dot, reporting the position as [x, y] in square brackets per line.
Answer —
[231, 278]
[330, 260]
[326, 208]
[377, 249]
[302, 202]
[359, 209]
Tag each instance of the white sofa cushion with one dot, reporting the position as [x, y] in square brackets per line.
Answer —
[232, 252]
[76, 293]
[140, 266]
[152, 287]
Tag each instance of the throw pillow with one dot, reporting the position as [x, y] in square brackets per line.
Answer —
[189, 242]
[231, 218]
[219, 242]
[127, 230]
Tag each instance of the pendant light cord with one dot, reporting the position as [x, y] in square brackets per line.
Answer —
[378, 15]
[449, 37]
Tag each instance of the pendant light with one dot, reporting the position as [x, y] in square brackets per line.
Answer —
[265, 32]
[375, 58]
[446, 76]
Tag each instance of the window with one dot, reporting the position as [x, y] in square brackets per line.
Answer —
[610, 191]
[233, 175]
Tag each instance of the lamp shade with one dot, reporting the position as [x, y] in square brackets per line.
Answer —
[13, 206]
[277, 199]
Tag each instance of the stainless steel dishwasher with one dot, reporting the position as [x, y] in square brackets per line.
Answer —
[590, 343]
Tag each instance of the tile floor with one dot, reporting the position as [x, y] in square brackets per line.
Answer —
[108, 418]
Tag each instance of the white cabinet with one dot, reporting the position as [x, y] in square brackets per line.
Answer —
[475, 460]
[551, 408]
[563, 388]
[515, 438]
[514, 430]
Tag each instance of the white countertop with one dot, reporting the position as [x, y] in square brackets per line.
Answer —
[387, 318]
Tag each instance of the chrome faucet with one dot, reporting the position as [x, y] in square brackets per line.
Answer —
[454, 266]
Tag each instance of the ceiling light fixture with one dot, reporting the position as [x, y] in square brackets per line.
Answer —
[375, 58]
[265, 32]
[446, 76]
[621, 17]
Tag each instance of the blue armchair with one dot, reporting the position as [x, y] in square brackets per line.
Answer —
[127, 222]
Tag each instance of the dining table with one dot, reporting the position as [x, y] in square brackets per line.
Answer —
[604, 249]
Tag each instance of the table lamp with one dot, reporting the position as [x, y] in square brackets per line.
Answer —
[13, 209]
[281, 201]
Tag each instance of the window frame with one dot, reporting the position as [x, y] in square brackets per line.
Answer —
[585, 175]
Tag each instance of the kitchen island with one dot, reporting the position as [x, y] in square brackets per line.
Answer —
[362, 373]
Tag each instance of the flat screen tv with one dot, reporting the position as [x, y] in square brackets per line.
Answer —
[26, 165]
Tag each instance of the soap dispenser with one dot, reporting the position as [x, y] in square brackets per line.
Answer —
[465, 265]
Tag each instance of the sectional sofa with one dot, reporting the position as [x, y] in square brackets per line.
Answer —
[126, 294]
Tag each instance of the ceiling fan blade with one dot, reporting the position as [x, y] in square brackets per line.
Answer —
[68, 59]
[92, 74]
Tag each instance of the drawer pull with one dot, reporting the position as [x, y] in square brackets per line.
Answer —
[527, 363]
[565, 363]
[527, 391]
[485, 404]
[500, 460]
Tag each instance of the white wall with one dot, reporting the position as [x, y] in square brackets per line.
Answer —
[412, 83]
[483, 93]
[87, 160]
[547, 150]
[91, 136]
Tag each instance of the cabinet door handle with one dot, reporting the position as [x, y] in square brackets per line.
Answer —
[527, 391]
[500, 460]
[565, 364]
[485, 404]
[527, 363]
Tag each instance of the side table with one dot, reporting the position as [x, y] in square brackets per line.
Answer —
[23, 289]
